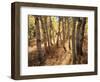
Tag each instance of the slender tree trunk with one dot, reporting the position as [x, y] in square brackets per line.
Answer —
[44, 32]
[74, 51]
[48, 39]
[59, 34]
[69, 35]
[50, 31]
[38, 37]
[63, 30]
[78, 36]
[82, 35]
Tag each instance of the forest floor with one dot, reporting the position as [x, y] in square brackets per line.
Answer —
[56, 56]
[59, 57]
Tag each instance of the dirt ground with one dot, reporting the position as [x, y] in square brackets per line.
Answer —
[56, 56]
